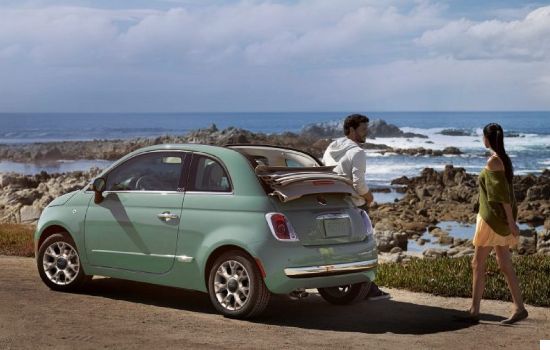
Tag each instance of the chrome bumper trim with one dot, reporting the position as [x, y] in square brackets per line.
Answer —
[329, 270]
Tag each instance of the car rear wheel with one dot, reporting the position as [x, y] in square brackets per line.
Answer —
[236, 287]
[59, 264]
[343, 295]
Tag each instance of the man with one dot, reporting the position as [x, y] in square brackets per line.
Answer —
[351, 161]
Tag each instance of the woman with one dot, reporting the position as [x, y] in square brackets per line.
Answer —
[496, 224]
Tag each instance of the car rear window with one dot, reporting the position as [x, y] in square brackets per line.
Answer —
[208, 175]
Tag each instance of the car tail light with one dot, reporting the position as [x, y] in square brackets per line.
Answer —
[369, 230]
[281, 227]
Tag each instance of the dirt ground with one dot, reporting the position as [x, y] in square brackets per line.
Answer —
[118, 314]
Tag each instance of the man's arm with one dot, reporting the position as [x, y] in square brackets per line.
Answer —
[358, 169]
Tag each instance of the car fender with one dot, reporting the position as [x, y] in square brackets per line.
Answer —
[69, 216]
[247, 241]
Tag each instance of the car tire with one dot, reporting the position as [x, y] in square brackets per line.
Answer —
[236, 287]
[59, 264]
[344, 295]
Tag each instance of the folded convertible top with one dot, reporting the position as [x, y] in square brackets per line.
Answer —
[290, 183]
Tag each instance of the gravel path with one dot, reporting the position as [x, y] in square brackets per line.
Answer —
[118, 314]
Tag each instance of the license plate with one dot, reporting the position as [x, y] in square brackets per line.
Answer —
[337, 227]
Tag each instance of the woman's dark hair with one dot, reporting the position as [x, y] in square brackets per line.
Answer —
[494, 134]
[353, 121]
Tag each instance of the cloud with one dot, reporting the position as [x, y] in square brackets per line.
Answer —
[524, 39]
[269, 55]
[250, 32]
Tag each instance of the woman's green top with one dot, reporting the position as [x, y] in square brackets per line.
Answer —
[494, 190]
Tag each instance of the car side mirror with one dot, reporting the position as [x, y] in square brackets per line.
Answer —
[98, 186]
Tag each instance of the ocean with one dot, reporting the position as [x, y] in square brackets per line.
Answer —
[529, 148]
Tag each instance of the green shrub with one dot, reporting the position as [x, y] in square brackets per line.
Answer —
[16, 240]
[452, 277]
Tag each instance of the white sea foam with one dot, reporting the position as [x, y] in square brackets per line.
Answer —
[438, 141]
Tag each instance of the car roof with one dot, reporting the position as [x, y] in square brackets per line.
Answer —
[225, 153]
[216, 151]
[274, 146]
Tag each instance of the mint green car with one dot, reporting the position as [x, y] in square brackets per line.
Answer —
[207, 218]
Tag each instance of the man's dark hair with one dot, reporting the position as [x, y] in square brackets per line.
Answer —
[353, 121]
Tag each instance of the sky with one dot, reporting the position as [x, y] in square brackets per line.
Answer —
[252, 55]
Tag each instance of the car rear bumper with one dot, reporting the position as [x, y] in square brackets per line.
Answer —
[331, 270]
[291, 266]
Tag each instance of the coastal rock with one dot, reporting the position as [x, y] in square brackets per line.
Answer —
[403, 180]
[418, 227]
[452, 195]
[445, 240]
[29, 214]
[459, 242]
[25, 204]
[389, 258]
[395, 258]
[541, 192]
[465, 252]
[421, 151]
[527, 242]
[452, 150]
[543, 240]
[395, 250]
[455, 132]
[387, 240]
[422, 241]
[453, 252]
[377, 128]
[437, 232]
[434, 253]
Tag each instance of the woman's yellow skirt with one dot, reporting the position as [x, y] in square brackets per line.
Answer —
[486, 237]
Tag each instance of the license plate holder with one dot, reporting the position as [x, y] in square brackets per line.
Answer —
[337, 227]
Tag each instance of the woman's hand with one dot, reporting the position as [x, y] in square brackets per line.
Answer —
[514, 229]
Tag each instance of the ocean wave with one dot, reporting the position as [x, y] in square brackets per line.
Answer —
[468, 144]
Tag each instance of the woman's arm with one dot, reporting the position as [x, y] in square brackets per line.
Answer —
[495, 164]
[510, 218]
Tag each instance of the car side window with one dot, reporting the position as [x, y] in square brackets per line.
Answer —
[208, 175]
[155, 171]
[291, 163]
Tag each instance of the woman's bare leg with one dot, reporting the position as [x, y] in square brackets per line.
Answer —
[479, 263]
[505, 263]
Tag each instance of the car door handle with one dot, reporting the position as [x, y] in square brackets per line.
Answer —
[167, 216]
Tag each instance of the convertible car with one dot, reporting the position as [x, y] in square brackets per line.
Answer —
[240, 222]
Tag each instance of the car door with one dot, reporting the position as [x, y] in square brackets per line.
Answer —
[136, 225]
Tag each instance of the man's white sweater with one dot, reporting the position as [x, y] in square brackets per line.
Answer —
[350, 161]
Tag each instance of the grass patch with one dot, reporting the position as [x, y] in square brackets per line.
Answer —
[16, 239]
[452, 277]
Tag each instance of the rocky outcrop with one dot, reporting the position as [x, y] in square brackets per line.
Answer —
[23, 197]
[310, 140]
[452, 195]
[377, 128]
[421, 151]
[456, 132]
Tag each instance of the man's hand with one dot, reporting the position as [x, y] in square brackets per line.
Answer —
[368, 198]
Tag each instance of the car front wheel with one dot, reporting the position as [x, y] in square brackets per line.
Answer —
[236, 287]
[59, 264]
[343, 295]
